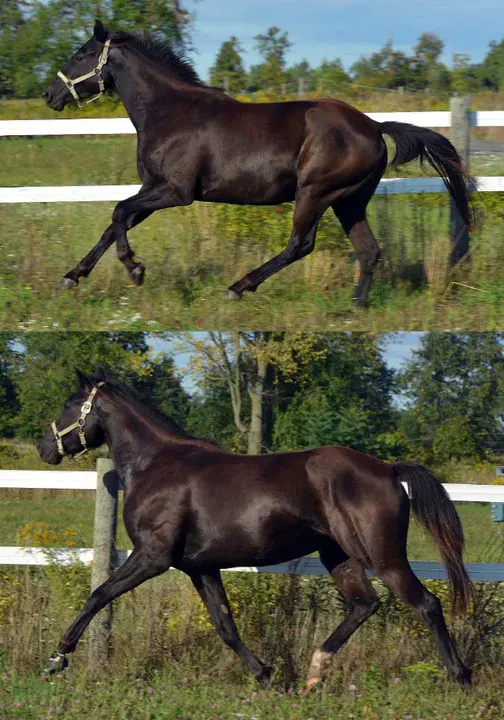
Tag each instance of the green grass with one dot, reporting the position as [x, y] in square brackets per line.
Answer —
[189, 694]
[167, 662]
[193, 254]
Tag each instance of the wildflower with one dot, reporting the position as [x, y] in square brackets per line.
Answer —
[396, 680]
[16, 704]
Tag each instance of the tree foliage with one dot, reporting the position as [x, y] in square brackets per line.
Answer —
[228, 70]
[455, 386]
[45, 373]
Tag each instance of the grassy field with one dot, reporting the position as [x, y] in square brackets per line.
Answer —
[178, 693]
[193, 254]
[167, 662]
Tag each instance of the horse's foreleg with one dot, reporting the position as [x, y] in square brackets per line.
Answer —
[127, 213]
[140, 566]
[84, 266]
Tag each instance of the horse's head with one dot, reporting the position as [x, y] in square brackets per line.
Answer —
[86, 76]
[78, 428]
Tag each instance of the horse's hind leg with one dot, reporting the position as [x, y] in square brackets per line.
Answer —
[351, 212]
[211, 591]
[307, 214]
[361, 600]
[405, 584]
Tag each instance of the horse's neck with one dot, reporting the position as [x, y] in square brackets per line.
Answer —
[141, 84]
[134, 438]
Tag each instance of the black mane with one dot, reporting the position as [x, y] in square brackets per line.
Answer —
[116, 388]
[161, 53]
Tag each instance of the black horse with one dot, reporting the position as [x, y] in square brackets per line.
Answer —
[190, 505]
[196, 143]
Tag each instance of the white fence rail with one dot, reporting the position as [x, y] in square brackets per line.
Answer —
[123, 126]
[78, 480]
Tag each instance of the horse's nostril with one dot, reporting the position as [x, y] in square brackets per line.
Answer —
[46, 95]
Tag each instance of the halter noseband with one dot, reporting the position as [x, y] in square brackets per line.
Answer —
[79, 426]
[94, 73]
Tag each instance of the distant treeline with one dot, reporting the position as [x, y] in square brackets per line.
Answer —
[261, 392]
[37, 38]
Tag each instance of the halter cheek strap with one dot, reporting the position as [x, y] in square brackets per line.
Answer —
[94, 73]
[79, 426]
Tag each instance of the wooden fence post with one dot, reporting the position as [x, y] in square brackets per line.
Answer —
[460, 137]
[105, 558]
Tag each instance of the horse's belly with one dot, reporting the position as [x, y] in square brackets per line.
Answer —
[237, 550]
[250, 187]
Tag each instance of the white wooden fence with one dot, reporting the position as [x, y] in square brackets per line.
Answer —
[123, 126]
[78, 480]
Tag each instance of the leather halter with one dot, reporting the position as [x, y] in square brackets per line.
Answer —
[78, 425]
[94, 73]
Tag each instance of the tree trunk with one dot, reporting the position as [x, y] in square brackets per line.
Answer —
[256, 392]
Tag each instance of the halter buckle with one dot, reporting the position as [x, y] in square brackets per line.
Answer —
[86, 408]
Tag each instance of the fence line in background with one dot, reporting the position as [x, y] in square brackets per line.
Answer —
[124, 126]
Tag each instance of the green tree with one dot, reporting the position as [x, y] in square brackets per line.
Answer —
[228, 70]
[9, 406]
[272, 47]
[11, 22]
[464, 75]
[430, 71]
[45, 376]
[249, 364]
[166, 17]
[491, 71]
[300, 71]
[346, 399]
[331, 75]
[36, 39]
[455, 384]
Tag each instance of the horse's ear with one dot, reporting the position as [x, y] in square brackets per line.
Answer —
[99, 32]
[84, 381]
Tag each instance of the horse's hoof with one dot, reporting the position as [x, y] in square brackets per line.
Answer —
[232, 295]
[313, 682]
[137, 274]
[67, 284]
[57, 663]
[264, 677]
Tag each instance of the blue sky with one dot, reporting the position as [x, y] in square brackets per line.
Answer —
[399, 348]
[343, 28]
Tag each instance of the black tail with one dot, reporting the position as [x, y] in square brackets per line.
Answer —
[416, 142]
[432, 505]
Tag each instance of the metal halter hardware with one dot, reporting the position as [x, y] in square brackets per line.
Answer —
[94, 73]
[79, 425]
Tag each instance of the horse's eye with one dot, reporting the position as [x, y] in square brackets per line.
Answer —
[79, 58]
